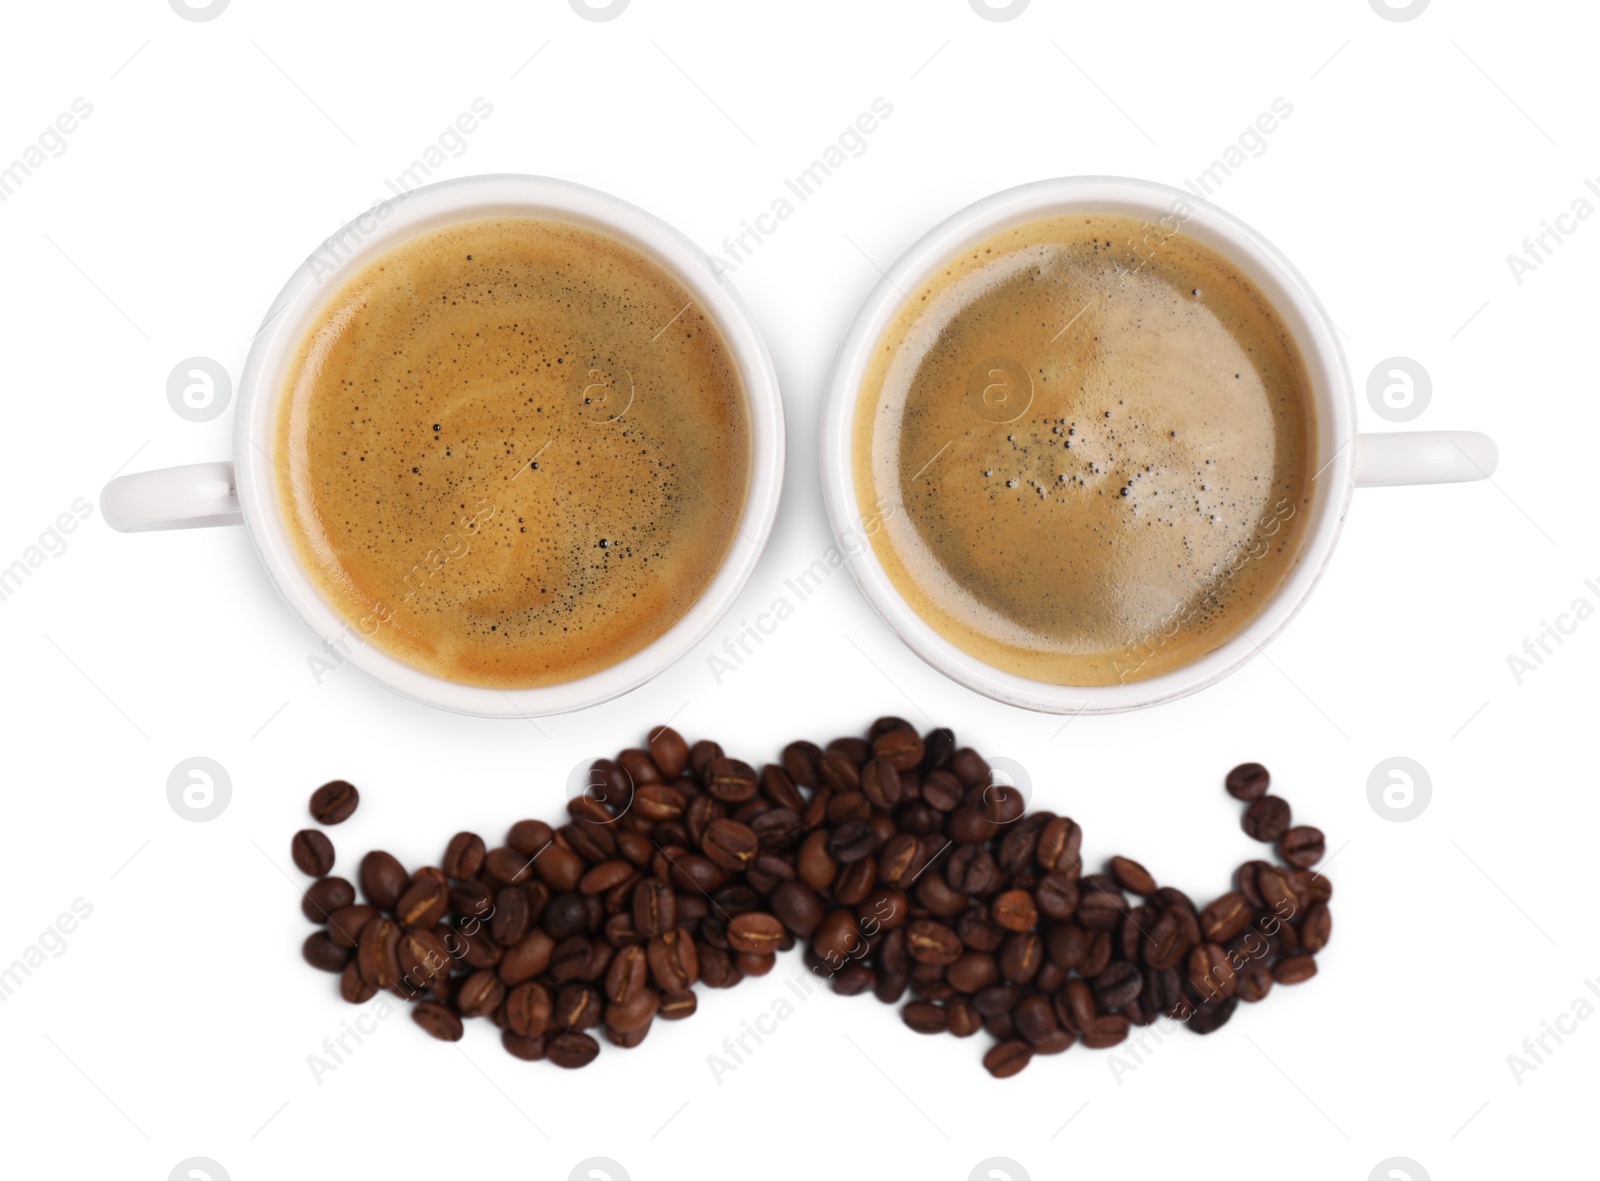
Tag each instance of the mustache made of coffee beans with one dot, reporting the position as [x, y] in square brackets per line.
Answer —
[898, 862]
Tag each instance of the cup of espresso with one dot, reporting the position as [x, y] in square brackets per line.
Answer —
[1090, 445]
[505, 442]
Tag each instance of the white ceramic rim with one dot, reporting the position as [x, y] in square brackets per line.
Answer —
[319, 277]
[1333, 396]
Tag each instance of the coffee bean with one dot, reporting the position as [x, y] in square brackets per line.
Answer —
[1117, 985]
[755, 932]
[1255, 981]
[851, 841]
[383, 879]
[1248, 781]
[324, 897]
[1267, 819]
[901, 746]
[377, 951]
[1213, 1015]
[925, 1017]
[322, 952]
[675, 1006]
[674, 964]
[1315, 928]
[1225, 917]
[1302, 847]
[1007, 1058]
[438, 1021]
[1211, 972]
[352, 988]
[529, 1049]
[880, 783]
[1015, 910]
[463, 856]
[730, 780]
[312, 852]
[1132, 876]
[571, 1049]
[1294, 969]
[730, 844]
[422, 958]
[1035, 1020]
[334, 802]
[345, 923]
[932, 943]
[424, 901]
[668, 751]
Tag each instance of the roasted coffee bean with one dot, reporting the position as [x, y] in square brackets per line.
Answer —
[932, 943]
[972, 972]
[1020, 956]
[851, 841]
[674, 964]
[344, 924]
[352, 988]
[839, 772]
[1056, 896]
[424, 901]
[755, 932]
[377, 952]
[383, 879]
[1099, 908]
[528, 837]
[438, 1021]
[1164, 944]
[422, 958]
[942, 791]
[1015, 910]
[730, 780]
[1267, 819]
[463, 856]
[880, 783]
[1035, 1020]
[571, 1050]
[1007, 1058]
[511, 917]
[901, 746]
[730, 844]
[1315, 928]
[669, 751]
[557, 867]
[1225, 917]
[675, 1006]
[798, 907]
[1255, 981]
[634, 1014]
[847, 805]
[655, 908]
[1067, 945]
[837, 937]
[1132, 876]
[1212, 1015]
[605, 876]
[480, 994]
[1302, 846]
[717, 969]
[925, 1017]
[324, 897]
[803, 762]
[1211, 971]
[322, 952]
[334, 802]
[1248, 781]
[1294, 969]
[1117, 985]
[312, 852]
[529, 1049]
[577, 1006]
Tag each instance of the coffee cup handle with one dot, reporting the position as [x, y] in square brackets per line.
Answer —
[1424, 457]
[195, 496]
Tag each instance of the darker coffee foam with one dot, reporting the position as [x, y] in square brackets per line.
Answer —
[1089, 444]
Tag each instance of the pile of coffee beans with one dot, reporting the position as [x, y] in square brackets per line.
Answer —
[901, 863]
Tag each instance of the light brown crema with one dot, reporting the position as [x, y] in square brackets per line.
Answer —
[513, 452]
[1086, 441]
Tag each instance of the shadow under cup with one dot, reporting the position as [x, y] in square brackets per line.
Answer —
[1330, 469]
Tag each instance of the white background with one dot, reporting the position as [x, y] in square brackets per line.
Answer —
[178, 1020]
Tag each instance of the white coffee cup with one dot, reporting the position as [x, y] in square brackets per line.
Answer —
[244, 491]
[1345, 459]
